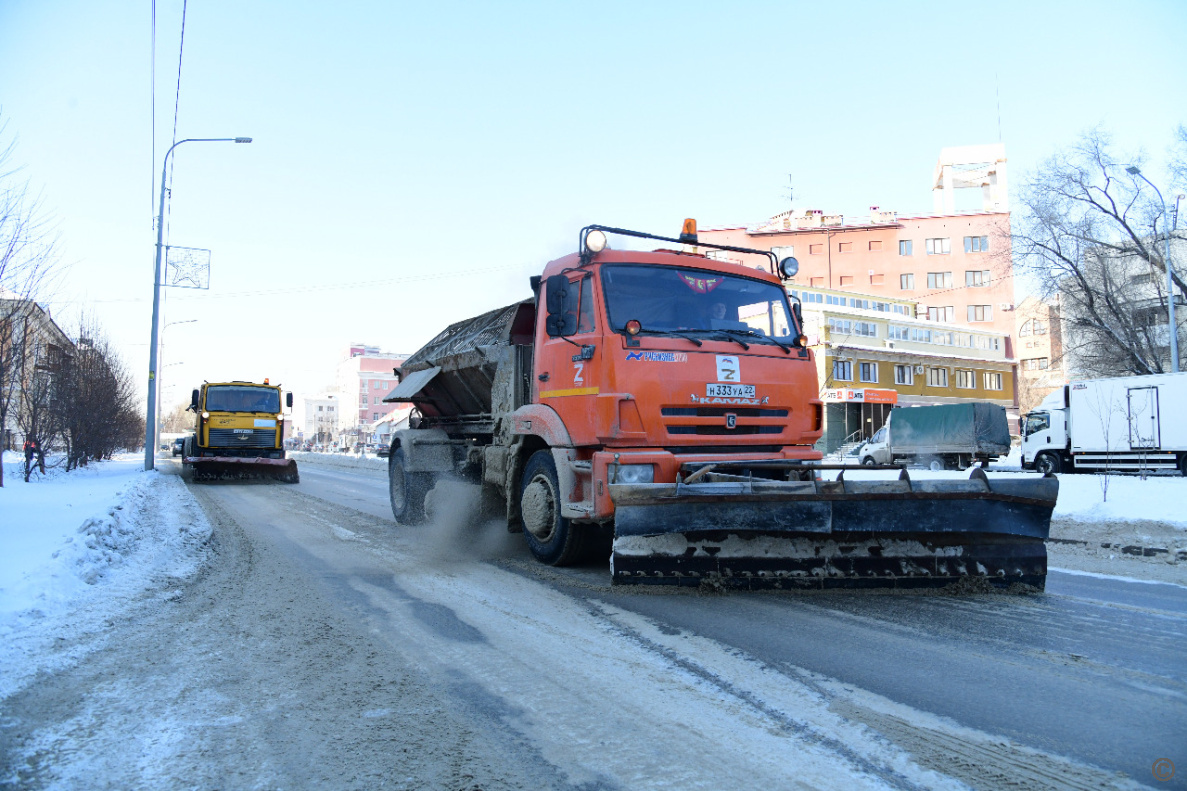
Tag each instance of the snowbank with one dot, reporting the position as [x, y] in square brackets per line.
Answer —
[78, 546]
[346, 460]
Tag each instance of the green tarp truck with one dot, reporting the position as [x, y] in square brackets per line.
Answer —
[944, 436]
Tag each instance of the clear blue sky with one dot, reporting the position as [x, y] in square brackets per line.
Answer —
[414, 163]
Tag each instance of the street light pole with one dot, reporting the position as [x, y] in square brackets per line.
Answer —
[150, 425]
[1170, 283]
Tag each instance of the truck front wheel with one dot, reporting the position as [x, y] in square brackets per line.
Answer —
[1047, 463]
[868, 461]
[406, 490]
[552, 538]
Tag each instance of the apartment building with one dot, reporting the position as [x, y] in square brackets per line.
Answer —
[1039, 348]
[874, 354]
[956, 266]
[364, 376]
[318, 421]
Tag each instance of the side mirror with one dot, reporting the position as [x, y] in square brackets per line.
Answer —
[562, 318]
[288, 400]
[194, 399]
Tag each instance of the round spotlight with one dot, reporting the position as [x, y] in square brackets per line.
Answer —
[803, 340]
[788, 267]
[595, 241]
[206, 416]
[633, 327]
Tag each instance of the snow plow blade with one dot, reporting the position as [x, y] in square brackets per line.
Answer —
[241, 468]
[743, 532]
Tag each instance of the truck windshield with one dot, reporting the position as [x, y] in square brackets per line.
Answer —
[231, 398]
[664, 299]
[1037, 421]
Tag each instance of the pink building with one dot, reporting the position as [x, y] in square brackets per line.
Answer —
[365, 376]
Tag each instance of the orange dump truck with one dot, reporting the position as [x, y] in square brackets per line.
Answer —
[665, 404]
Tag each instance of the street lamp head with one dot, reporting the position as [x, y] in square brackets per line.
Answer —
[243, 140]
[1133, 170]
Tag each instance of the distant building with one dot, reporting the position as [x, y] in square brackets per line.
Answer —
[364, 376]
[33, 349]
[318, 420]
[873, 355]
[1039, 348]
[956, 266]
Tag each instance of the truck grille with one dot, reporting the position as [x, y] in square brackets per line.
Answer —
[749, 420]
[229, 438]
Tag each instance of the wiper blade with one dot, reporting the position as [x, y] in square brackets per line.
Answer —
[677, 333]
[752, 333]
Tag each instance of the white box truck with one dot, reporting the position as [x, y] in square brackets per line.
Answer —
[1130, 423]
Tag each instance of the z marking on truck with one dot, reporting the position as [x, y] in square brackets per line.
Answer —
[728, 368]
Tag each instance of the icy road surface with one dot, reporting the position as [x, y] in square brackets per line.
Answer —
[325, 647]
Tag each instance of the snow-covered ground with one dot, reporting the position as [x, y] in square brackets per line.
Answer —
[78, 546]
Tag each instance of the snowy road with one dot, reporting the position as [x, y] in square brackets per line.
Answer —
[326, 647]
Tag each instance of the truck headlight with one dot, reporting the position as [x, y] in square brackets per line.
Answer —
[280, 417]
[635, 473]
[206, 416]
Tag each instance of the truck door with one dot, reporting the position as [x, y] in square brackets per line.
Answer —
[1143, 418]
[567, 356]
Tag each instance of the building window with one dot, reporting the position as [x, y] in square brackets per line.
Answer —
[945, 314]
[1025, 329]
[329, 409]
[939, 280]
[906, 282]
[842, 370]
[904, 247]
[877, 280]
[783, 252]
[976, 278]
[816, 282]
[876, 246]
[815, 249]
[866, 329]
[939, 246]
[844, 247]
[980, 312]
[846, 280]
[838, 326]
[1036, 364]
[869, 372]
[319, 409]
[904, 375]
[385, 385]
[937, 377]
[993, 381]
[966, 380]
[375, 416]
[976, 244]
[375, 384]
[1040, 327]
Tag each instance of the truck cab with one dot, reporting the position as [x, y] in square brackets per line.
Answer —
[1045, 436]
[876, 450]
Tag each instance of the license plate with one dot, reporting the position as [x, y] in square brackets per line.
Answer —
[729, 391]
[242, 431]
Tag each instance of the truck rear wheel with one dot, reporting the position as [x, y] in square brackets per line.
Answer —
[406, 490]
[1047, 462]
[552, 538]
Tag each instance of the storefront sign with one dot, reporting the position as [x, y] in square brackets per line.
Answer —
[865, 396]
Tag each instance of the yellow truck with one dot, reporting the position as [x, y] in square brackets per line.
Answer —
[238, 433]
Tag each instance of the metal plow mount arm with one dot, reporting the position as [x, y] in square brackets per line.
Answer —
[752, 532]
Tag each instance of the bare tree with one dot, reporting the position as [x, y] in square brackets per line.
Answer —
[28, 260]
[1094, 234]
[179, 419]
[96, 409]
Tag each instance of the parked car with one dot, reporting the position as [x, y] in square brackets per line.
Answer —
[178, 446]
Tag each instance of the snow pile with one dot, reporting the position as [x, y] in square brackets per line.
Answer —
[346, 460]
[79, 547]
